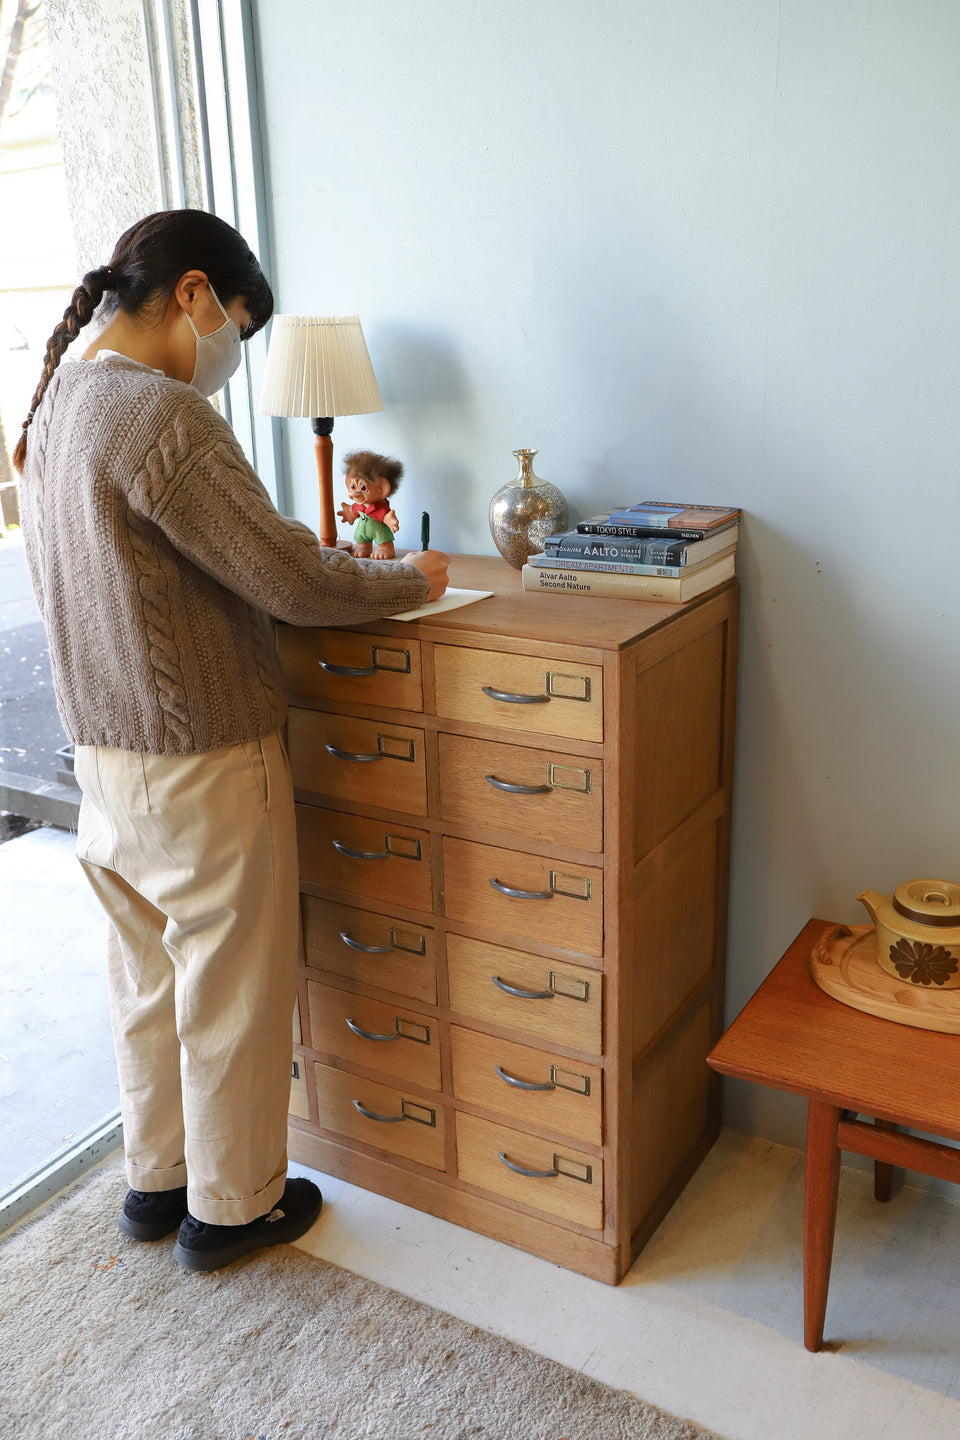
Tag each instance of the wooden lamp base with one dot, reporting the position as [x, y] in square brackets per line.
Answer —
[323, 445]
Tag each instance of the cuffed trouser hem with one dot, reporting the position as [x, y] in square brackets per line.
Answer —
[236, 1212]
[149, 1181]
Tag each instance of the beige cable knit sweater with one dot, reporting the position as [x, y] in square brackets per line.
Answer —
[160, 563]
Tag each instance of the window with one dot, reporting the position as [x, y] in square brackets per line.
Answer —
[172, 121]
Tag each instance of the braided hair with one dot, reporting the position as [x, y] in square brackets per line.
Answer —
[78, 313]
[143, 272]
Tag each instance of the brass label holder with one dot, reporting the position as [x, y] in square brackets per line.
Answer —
[567, 687]
[583, 885]
[386, 657]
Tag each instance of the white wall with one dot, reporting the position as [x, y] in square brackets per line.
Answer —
[691, 250]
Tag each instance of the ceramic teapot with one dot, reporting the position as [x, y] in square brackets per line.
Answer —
[918, 931]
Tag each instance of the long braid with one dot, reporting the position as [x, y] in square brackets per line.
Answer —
[148, 261]
[79, 312]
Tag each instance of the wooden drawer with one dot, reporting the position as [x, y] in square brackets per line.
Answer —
[376, 858]
[559, 904]
[557, 1002]
[518, 791]
[373, 949]
[531, 695]
[528, 1085]
[351, 666]
[367, 761]
[299, 1104]
[400, 1043]
[566, 1182]
[408, 1126]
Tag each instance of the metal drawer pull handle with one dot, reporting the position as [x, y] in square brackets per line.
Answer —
[347, 669]
[521, 994]
[514, 699]
[369, 1034]
[361, 854]
[349, 754]
[524, 1084]
[515, 789]
[521, 1170]
[367, 949]
[519, 894]
[383, 1119]
[414, 1031]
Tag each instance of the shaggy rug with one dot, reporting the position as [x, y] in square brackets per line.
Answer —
[104, 1337]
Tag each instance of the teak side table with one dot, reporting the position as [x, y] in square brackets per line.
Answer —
[794, 1037]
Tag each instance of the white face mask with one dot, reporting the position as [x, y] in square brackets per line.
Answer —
[218, 354]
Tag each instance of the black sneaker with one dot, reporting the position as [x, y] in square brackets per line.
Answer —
[209, 1247]
[151, 1214]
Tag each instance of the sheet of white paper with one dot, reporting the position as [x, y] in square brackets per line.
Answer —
[451, 599]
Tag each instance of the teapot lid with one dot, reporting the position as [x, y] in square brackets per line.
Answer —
[928, 902]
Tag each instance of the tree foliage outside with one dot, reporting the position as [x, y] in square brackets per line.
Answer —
[25, 68]
[18, 38]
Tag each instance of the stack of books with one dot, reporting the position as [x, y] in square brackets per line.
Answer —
[656, 550]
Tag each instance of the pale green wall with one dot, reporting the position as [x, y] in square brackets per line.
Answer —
[694, 250]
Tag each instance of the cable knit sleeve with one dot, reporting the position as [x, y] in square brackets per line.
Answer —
[198, 487]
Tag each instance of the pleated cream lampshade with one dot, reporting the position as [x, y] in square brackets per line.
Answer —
[318, 366]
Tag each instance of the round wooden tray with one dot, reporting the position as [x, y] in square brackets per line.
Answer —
[844, 964]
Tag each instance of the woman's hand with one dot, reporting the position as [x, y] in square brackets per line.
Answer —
[433, 564]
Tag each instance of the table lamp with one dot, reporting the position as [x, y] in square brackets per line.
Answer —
[318, 365]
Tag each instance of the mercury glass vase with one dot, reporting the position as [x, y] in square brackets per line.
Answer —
[525, 512]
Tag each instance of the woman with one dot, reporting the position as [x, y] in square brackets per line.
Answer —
[160, 565]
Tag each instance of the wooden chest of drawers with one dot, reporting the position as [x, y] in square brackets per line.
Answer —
[514, 825]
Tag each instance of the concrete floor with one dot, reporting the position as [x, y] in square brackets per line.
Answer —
[30, 729]
[57, 1073]
[708, 1324]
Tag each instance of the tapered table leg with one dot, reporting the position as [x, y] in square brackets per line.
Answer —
[821, 1180]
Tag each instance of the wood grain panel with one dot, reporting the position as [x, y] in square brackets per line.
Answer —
[574, 920]
[674, 954]
[480, 1144]
[573, 703]
[402, 878]
[574, 1106]
[569, 813]
[680, 735]
[394, 662]
[418, 1136]
[411, 1052]
[671, 1109]
[407, 962]
[572, 1016]
[392, 776]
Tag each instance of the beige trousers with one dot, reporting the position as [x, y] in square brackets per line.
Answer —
[194, 860]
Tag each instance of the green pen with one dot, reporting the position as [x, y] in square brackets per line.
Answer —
[424, 530]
